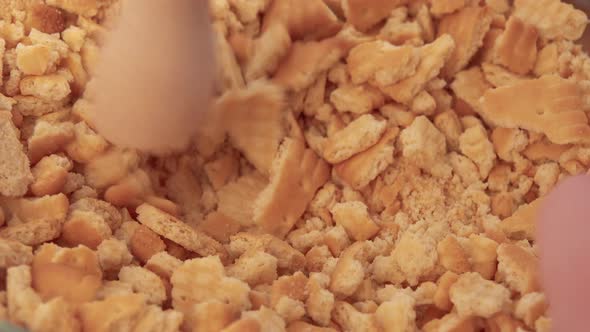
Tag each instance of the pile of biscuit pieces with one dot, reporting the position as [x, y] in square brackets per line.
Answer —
[379, 168]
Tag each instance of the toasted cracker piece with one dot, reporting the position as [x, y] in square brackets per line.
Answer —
[530, 307]
[50, 174]
[55, 315]
[236, 199]
[550, 105]
[443, 7]
[229, 74]
[312, 19]
[307, 60]
[175, 230]
[53, 87]
[74, 37]
[244, 325]
[255, 268]
[203, 279]
[48, 138]
[301, 326]
[267, 52]
[145, 243]
[296, 175]
[36, 59]
[522, 224]
[509, 142]
[473, 295]
[544, 150]
[219, 226]
[468, 27]
[499, 76]
[86, 228]
[516, 48]
[144, 282]
[425, 146]
[415, 256]
[288, 258]
[108, 212]
[88, 8]
[547, 60]
[13, 253]
[452, 256]
[364, 167]
[15, 172]
[358, 99]
[381, 63]
[86, 145]
[357, 137]
[72, 273]
[255, 122]
[518, 268]
[210, 316]
[433, 58]
[469, 86]
[451, 322]
[222, 170]
[553, 18]
[116, 310]
[21, 299]
[441, 298]
[113, 254]
[350, 319]
[110, 167]
[363, 14]
[354, 217]
[130, 191]
[475, 144]
[40, 225]
[397, 314]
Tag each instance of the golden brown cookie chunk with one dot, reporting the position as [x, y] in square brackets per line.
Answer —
[46, 18]
[381, 63]
[442, 7]
[553, 18]
[358, 136]
[15, 173]
[296, 175]
[468, 28]
[204, 279]
[550, 105]
[236, 199]
[473, 295]
[433, 58]
[254, 119]
[73, 273]
[364, 167]
[469, 86]
[101, 316]
[307, 60]
[354, 217]
[516, 48]
[518, 268]
[364, 14]
[175, 230]
[311, 19]
[522, 224]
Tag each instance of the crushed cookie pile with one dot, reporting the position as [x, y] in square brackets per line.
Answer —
[379, 169]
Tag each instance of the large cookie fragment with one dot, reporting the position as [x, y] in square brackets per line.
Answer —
[434, 56]
[382, 63]
[175, 230]
[553, 18]
[364, 167]
[296, 175]
[254, 119]
[468, 27]
[15, 172]
[550, 105]
[364, 14]
[517, 47]
[357, 137]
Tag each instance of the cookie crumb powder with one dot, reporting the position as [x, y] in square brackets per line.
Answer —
[382, 170]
